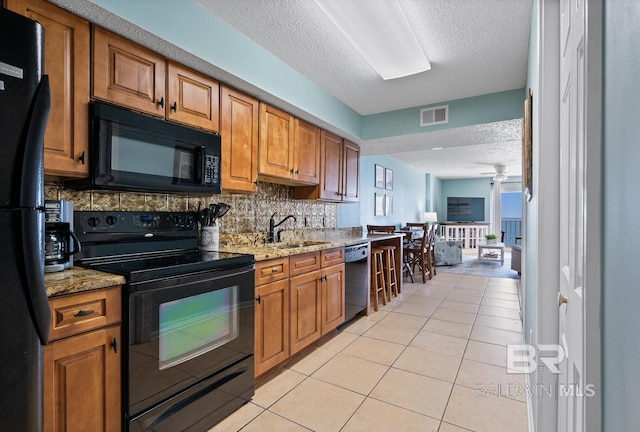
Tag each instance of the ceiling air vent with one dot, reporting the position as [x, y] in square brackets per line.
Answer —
[434, 116]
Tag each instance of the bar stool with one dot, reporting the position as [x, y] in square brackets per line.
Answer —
[388, 256]
[377, 278]
[389, 260]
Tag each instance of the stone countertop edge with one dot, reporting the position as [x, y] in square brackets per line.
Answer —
[78, 279]
[270, 250]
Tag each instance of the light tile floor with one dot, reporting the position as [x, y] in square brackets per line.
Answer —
[434, 359]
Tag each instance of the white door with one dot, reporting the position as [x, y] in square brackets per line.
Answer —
[573, 233]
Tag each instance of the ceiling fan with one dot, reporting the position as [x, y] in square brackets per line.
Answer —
[500, 173]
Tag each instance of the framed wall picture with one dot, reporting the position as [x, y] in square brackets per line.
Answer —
[388, 205]
[379, 173]
[388, 179]
[379, 205]
[527, 148]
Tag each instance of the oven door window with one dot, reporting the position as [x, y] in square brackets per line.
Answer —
[192, 326]
[186, 328]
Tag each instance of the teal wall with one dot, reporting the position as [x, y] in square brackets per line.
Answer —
[620, 296]
[408, 193]
[436, 197]
[462, 112]
[479, 188]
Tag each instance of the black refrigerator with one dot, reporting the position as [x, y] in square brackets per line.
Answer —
[24, 308]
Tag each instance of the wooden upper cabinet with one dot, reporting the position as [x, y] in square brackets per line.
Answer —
[192, 98]
[331, 152]
[351, 173]
[130, 75]
[339, 171]
[306, 165]
[289, 148]
[66, 141]
[276, 143]
[127, 74]
[239, 134]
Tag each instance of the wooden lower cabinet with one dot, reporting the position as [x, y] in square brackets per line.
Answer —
[298, 300]
[82, 383]
[82, 363]
[305, 309]
[332, 311]
[271, 325]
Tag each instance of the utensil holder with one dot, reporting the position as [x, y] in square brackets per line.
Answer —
[209, 238]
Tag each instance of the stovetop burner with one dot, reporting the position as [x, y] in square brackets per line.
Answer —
[147, 245]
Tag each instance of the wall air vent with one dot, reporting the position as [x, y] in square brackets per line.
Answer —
[434, 116]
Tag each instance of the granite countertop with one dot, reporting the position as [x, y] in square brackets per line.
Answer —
[78, 280]
[266, 251]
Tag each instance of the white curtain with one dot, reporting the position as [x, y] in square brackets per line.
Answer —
[496, 223]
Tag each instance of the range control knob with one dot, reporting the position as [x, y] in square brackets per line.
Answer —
[93, 221]
[111, 219]
[188, 219]
[177, 219]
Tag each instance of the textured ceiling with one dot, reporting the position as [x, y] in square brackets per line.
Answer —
[475, 47]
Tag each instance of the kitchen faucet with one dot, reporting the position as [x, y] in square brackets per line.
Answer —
[273, 225]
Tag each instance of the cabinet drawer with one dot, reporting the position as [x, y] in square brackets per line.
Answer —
[333, 256]
[304, 263]
[78, 313]
[272, 270]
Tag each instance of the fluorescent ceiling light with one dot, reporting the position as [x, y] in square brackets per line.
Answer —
[379, 29]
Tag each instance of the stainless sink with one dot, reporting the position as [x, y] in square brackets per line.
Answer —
[296, 245]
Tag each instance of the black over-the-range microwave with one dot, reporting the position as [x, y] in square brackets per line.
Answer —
[136, 152]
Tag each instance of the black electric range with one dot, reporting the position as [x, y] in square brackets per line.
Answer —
[188, 318]
[146, 245]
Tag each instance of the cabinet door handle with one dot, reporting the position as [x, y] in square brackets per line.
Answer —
[161, 102]
[83, 312]
[274, 270]
[259, 298]
[82, 158]
[174, 107]
[114, 344]
[297, 172]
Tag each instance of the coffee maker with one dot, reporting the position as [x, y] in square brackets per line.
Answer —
[60, 241]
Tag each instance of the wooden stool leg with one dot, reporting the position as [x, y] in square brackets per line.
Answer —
[391, 262]
[377, 278]
[390, 274]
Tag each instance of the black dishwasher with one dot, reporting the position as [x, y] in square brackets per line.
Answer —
[357, 264]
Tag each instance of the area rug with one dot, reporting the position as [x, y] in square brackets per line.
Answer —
[471, 266]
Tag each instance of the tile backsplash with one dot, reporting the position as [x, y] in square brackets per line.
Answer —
[248, 213]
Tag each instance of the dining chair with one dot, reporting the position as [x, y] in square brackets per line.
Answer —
[381, 229]
[417, 255]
